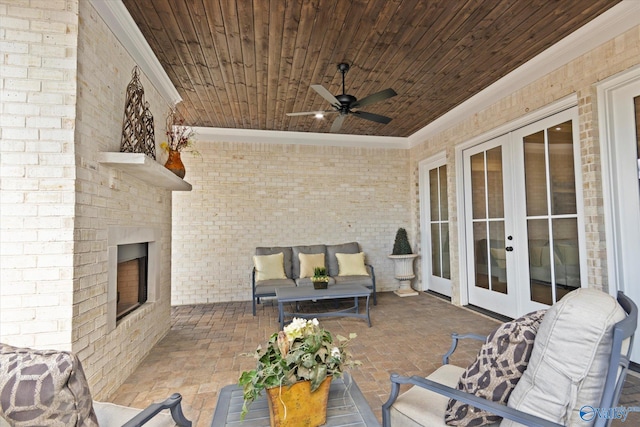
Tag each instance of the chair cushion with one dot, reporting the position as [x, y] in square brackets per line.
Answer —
[570, 358]
[332, 250]
[500, 363]
[422, 407]
[351, 264]
[286, 251]
[297, 250]
[269, 267]
[44, 388]
[308, 262]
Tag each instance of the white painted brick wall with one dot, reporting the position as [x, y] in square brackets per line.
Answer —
[37, 179]
[247, 195]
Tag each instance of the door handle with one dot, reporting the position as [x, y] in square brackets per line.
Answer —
[509, 249]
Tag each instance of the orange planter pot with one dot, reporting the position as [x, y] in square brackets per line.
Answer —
[174, 163]
[297, 406]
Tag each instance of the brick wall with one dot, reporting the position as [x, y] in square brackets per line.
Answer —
[247, 195]
[38, 83]
[580, 77]
[68, 75]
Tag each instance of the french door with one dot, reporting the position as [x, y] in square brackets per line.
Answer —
[523, 226]
[621, 150]
[434, 223]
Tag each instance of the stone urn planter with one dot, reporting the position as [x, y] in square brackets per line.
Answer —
[403, 257]
[404, 273]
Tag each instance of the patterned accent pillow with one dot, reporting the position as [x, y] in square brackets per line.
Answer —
[493, 375]
[44, 388]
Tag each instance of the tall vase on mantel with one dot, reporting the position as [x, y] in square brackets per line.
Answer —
[174, 163]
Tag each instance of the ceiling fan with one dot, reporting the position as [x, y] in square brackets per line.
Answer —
[346, 104]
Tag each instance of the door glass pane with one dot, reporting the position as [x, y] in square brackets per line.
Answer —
[566, 255]
[433, 195]
[561, 169]
[539, 261]
[446, 269]
[494, 183]
[436, 269]
[444, 206]
[535, 172]
[478, 186]
[498, 257]
[481, 254]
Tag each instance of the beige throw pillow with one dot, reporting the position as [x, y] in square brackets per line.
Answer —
[351, 265]
[308, 262]
[269, 267]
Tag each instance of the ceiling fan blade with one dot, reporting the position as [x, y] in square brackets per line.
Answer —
[311, 113]
[373, 117]
[376, 97]
[323, 92]
[337, 123]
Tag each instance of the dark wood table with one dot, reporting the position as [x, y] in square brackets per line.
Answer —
[346, 407]
[307, 293]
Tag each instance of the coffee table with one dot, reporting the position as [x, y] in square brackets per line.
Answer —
[346, 407]
[306, 293]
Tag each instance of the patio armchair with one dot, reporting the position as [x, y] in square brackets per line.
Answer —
[576, 370]
[49, 388]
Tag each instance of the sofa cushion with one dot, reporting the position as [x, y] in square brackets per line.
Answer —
[112, 415]
[570, 358]
[44, 388]
[286, 252]
[351, 264]
[500, 363]
[312, 249]
[332, 250]
[308, 262]
[354, 280]
[306, 281]
[268, 287]
[269, 267]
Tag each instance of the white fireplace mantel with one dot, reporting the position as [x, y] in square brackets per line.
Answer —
[145, 168]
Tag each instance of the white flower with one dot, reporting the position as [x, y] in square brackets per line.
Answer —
[335, 352]
[295, 329]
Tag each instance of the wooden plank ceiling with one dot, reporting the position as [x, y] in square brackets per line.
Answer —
[246, 63]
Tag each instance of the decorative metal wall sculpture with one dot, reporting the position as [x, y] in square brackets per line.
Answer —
[138, 134]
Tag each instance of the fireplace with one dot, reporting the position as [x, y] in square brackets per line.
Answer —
[133, 272]
[131, 278]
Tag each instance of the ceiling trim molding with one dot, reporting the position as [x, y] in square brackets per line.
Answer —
[605, 27]
[116, 16]
[298, 138]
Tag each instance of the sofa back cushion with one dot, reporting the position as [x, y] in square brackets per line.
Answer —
[345, 248]
[313, 249]
[309, 262]
[286, 252]
[570, 358]
[44, 388]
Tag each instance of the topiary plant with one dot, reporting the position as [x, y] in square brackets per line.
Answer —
[401, 245]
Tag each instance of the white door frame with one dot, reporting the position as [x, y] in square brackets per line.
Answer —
[548, 110]
[424, 167]
[613, 202]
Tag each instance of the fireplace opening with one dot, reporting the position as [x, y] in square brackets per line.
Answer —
[131, 278]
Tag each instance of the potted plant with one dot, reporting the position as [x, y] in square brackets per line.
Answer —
[298, 363]
[403, 257]
[320, 279]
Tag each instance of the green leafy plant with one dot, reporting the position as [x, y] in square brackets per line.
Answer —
[401, 245]
[320, 274]
[302, 351]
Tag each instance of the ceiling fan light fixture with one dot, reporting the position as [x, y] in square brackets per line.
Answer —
[319, 115]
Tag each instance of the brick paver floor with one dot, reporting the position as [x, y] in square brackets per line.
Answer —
[204, 350]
